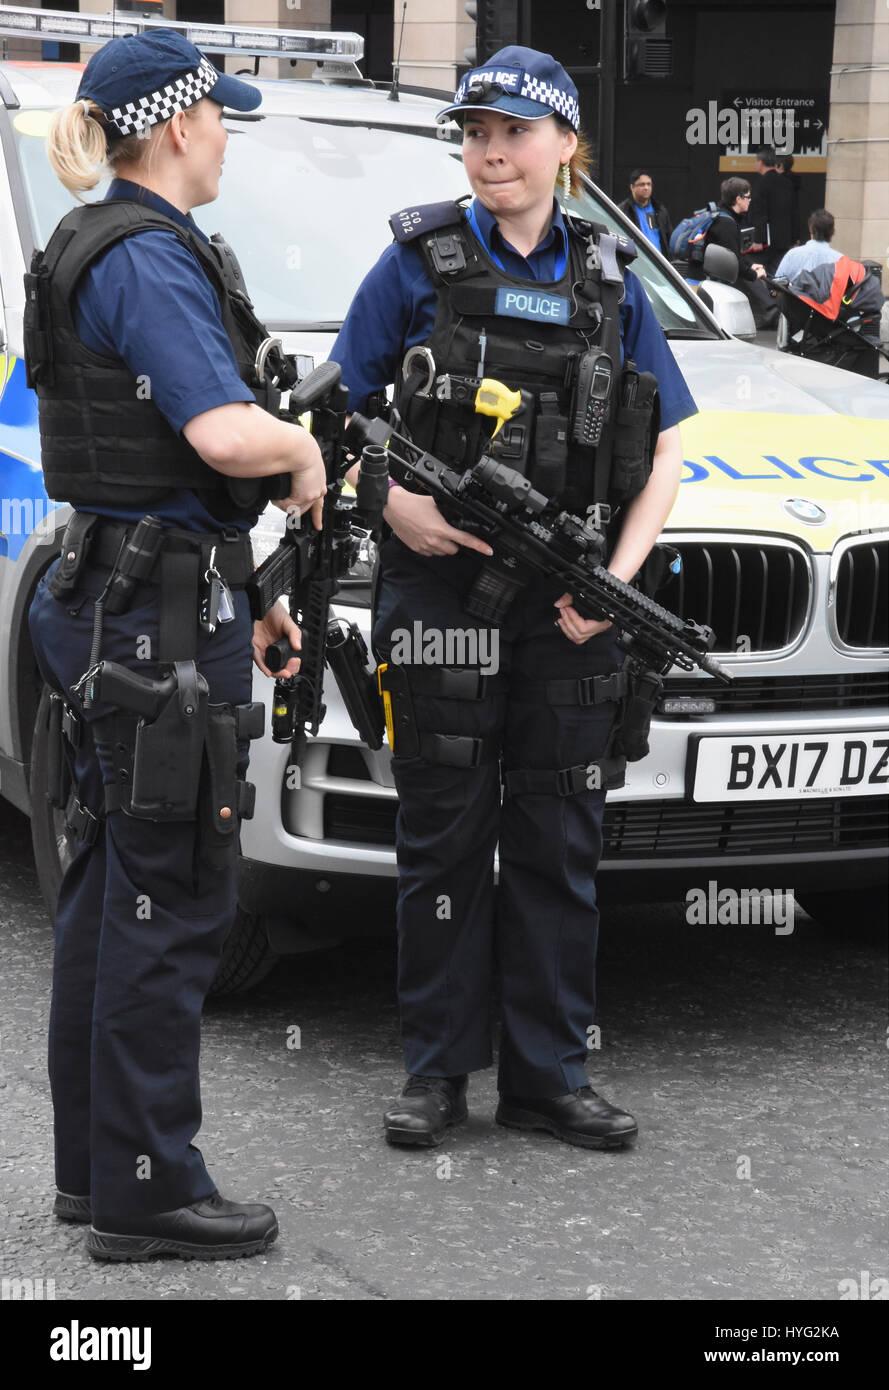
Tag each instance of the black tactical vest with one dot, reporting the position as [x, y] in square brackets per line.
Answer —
[528, 334]
[103, 440]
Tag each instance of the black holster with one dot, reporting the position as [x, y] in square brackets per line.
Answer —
[162, 773]
[168, 752]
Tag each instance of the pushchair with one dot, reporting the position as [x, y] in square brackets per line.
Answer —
[832, 315]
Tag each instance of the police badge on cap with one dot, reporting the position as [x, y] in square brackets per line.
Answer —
[518, 81]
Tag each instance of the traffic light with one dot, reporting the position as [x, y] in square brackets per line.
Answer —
[496, 25]
[647, 50]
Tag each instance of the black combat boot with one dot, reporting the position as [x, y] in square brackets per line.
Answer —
[582, 1117]
[425, 1109]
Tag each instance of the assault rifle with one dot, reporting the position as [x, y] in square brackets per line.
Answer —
[531, 536]
[308, 565]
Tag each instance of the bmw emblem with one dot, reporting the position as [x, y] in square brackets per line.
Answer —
[803, 510]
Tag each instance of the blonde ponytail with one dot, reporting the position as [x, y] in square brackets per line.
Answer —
[76, 146]
[79, 151]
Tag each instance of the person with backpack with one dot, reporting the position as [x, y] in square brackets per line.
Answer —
[725, 229]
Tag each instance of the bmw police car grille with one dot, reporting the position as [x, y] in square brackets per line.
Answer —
[862, 595]
[785, 694]
[754, 596]
[674, 829]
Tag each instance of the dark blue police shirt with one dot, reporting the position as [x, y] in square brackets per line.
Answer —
[642, 217]
[148, 301]
[394, 309]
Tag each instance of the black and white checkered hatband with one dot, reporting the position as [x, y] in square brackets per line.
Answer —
[560, 101]
[136, 116]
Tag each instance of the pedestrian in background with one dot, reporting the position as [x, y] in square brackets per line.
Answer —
[650, 215]
[771, 210]
[816, 251]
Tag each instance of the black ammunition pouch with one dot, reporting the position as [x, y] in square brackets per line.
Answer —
[636, 429]
[75, 550]
[644, 689]
[551, 447]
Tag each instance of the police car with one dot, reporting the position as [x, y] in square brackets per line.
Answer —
[778, 781]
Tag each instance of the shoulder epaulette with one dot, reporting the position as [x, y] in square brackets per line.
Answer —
[429, 217]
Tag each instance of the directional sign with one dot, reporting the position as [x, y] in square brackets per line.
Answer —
[793, 122]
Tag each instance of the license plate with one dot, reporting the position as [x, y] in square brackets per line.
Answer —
[761, 769]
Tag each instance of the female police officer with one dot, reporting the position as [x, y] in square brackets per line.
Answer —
[448, 286]
[141, 343]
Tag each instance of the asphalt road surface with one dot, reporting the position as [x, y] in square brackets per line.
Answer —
[754, 1063]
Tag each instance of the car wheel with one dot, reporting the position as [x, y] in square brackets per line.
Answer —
[247, 956]
[861, 912]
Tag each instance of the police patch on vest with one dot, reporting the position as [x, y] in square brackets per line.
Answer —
[530, 304]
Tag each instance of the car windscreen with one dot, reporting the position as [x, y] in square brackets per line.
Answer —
[305, 203]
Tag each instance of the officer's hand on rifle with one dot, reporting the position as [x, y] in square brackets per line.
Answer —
[308, 483]
[276, 623]
[419, 524]
[576, 628]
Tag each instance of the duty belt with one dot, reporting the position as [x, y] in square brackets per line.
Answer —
[181, 563]
[233, 560]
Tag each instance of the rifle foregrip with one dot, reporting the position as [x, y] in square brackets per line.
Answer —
[277, 654]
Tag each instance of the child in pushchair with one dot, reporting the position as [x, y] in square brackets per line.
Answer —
[832, 314]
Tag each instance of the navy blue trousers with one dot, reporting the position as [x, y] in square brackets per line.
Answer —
[539, 932]
[142, 916]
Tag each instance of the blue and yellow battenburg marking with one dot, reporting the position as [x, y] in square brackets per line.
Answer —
[24, 504]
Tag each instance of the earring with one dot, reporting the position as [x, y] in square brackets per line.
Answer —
[565, 179]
